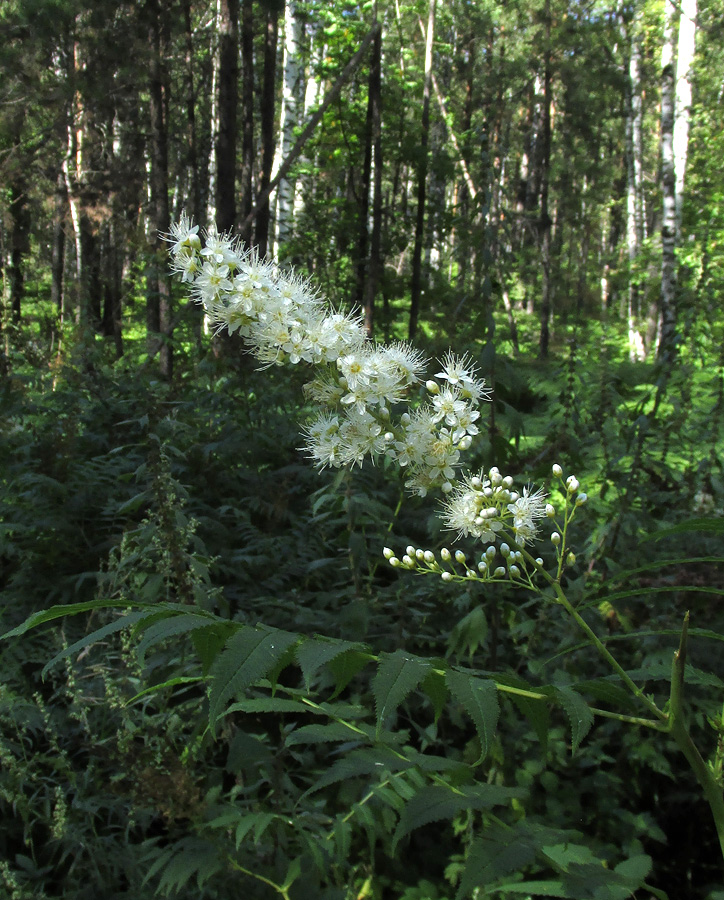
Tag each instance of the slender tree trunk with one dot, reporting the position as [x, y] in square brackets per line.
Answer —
[544, 225]
[228, 77]
[684, 59]
[634, 192]
[193, 153]
[246, 201]
[289, 119]
[57, 264]
[261, 228]
[374, 125]
[416, 281]
[668, 189]
[160, 219]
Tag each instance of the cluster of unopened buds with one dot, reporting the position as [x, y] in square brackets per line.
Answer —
[502, 563]
[488, 508]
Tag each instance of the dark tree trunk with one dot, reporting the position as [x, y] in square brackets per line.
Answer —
[193, 154]
[416, 281]
[375, 263]
[247, 124]
[261, 235]
[57, 264]
[228, 78]
[19, 246]
[159, 318]
[544, 224]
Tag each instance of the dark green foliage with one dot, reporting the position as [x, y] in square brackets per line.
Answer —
[231, 685]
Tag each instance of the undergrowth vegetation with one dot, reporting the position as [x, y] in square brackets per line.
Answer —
[236, 695]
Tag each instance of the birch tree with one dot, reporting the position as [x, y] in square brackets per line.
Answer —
[292, 79]
[667, 312]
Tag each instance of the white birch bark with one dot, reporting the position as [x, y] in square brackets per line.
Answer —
[312, 93]
[667, 311]
[293, 74]
[634, 193]
[684, 59]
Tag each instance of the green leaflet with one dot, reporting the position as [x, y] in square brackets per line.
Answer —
[345, 666]
[578, 712]
[171, 626]
[398, 674]
[59, 612]
[248, 656]
[437, 801]
[314, 653]
[322, 734]
[705, 524]
[479, 699]
[375, 761]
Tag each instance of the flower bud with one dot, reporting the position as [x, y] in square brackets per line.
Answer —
[459, 556]
[420, 554]
[499, 572]
[482, 566]
[539, 562]
[476, 483]
[408, 561]
[508, 481]
[432, 386]
[581, 499]
[405, 419]
[572, 484]
[513, 496]
[446, 487]
[514, 572]
[469, 573]
[410, 551]
[394, 561]
[445, 555]
[505, 550]
[465, 442]
[555, 539]
[446, 576]
[550, 510]
[557, 470]
[388, 554]
[571, 559]
[384, 412]
[389, 437]
[490, 552]
[429, 557]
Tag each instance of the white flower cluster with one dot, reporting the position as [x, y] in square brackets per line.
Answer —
[485, 505]
[488, 508]
[283, 319]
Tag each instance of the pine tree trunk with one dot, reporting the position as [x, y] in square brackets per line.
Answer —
[416, 280]
[160, 220]
[228, 77]
[246, 200]
[193, 155]
[57, 264]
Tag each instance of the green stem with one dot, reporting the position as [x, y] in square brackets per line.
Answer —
[605, 653]
[280, 889]
[680, 734]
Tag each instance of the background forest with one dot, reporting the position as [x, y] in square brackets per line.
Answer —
[237, 696]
